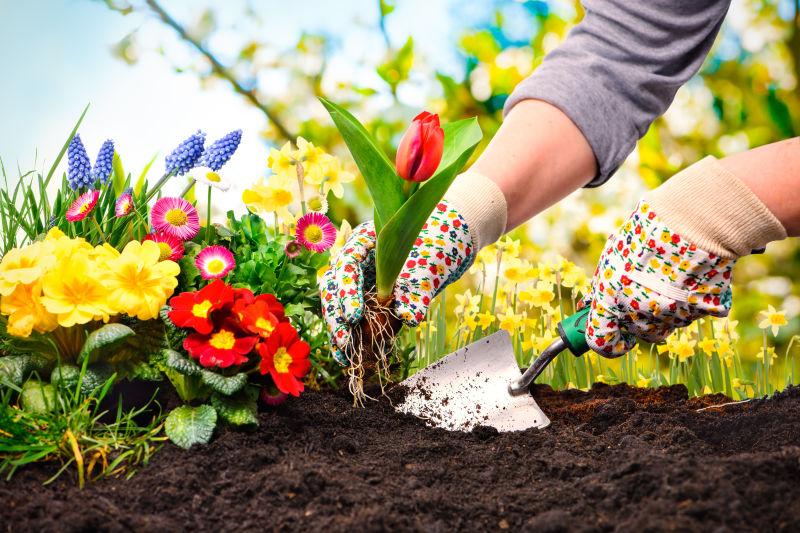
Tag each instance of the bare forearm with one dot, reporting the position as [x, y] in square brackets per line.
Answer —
[537, 157]
[772, 172]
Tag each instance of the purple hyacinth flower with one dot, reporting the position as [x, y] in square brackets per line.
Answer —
[186, 156]
[221, 150]
[79, 167]
[102, 165]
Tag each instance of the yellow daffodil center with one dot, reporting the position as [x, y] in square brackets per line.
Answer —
[176, 217]
[264, 326]
[201, 310]
[282, 360]
[213, 177]
[313, 233]
[282, 196]
[215, 266]
[164, 251]
[222, 340]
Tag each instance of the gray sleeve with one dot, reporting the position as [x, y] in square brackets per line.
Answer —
[620, 68]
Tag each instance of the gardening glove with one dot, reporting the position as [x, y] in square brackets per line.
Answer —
[670, 263]
[472, 215]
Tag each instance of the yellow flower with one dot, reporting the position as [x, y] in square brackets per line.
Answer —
[334, 176]
[510, 321]
[283, 162]
[516, 270]
[76, 294]
[276, 197]
[707, 390]
[23, 266]
[138, 283]
[773, 319]
[770, 351]
[484, 320]
[643, 382]
[682, 346]
[467, 303]
[345, 230]
[314, 160]
[707, 345]
[538, 296]
[510, 247]
[25, 311]
[470, 321]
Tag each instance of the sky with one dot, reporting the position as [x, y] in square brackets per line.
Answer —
[56, 57]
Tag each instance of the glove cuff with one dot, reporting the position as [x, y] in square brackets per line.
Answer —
[709, 206]
[482, 205]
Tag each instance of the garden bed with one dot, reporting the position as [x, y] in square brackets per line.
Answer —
[613, 458]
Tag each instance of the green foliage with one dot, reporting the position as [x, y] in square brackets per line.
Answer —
[105, 337]
[187, 426]
[239, 409]
[396, 68]
[15, 369]
[37, 397]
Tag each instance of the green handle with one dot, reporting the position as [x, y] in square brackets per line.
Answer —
[573, 331]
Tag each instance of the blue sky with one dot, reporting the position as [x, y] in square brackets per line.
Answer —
[56, 58]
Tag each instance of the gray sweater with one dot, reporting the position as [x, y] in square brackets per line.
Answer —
[620, 68]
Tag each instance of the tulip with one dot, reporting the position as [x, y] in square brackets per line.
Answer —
[420, 149]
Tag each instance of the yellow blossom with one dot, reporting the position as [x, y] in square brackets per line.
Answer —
[682, 346]
[283, 162]
[643, 382]
[76, 295]
[541, 295]
[23, 266]
[467, 303]
[510, 321]
[708, 345]
[345, 230]
[314, 160]
[509, 247]
[770, 351]
[484, 320]
[773, 319]
[275, 197]
[25, 311]
[334, 176]
[516, 270]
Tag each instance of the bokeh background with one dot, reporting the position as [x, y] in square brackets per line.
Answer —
[154, 71]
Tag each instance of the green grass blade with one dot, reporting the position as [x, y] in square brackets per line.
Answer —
[64, 148]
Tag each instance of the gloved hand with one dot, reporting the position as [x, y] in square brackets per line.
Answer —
[444, 250]
[671, 262]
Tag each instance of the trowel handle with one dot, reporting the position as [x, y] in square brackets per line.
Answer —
[573, 331]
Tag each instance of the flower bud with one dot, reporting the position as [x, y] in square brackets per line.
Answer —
[420, 149]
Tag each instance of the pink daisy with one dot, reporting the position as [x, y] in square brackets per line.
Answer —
[175, 217]
[170, 247]
[214, 262]
[124, 204]
[315, 232]
[292, 249]
[82, 206]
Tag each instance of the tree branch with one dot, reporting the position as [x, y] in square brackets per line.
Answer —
[220, 70]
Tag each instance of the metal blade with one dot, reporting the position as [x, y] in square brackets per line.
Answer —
[469, 388]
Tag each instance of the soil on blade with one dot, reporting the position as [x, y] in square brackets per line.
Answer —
[614, 458]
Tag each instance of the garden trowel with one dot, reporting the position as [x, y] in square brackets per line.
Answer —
[481, 384]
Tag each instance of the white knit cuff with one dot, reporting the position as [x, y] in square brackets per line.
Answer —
[711, 207]
[482, 205]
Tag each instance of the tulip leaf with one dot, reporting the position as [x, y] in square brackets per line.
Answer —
[384, 185]
[187, 426]
[399, 233]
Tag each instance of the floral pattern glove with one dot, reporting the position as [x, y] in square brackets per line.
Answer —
[650, 281]
[441, 254]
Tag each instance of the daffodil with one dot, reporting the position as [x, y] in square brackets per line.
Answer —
[773, 319]
[275, 196]
[484, 320]
[283, 162]
[138, 282]
[334, 178]
[708, 345]
[314, 161]
[467, 303]
[539, 296]
[510, 321]
[770, 351]
[509, 247]
[682, 346]
[516, 270]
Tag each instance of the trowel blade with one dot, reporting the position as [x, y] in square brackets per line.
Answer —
[469, 388]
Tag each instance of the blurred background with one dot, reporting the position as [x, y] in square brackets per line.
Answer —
[155, 71]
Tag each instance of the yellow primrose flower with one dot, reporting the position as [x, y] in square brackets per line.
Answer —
[76, 295]
[138, 282]
[773, 319]
[23, 266]
[25, 311]
[334, 176]
[484, 320]
[467, 303]
[539, 296]
[275, 197]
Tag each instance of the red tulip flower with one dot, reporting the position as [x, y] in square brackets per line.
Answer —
[420, 149]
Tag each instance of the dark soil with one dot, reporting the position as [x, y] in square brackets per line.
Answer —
[615, 458]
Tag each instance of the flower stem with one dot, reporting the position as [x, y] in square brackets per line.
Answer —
[300, 178]
[208, 216]
[157, 187]
[188, 188]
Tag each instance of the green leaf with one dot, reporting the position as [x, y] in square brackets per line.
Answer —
[15, 369]
[37, 397]
[187, 426]
[140, 183]
[65, 377]
[117, 174]
[396, 69]
[226, 385]
[105, 337]
[398, 235]
[181, 364]
[240, 409]
[57, 160]
[379, 173]
[96, 376]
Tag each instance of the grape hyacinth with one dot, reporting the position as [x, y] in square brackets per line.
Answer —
[221, 150]
[79, 167]
[102, 165]
[186, 155]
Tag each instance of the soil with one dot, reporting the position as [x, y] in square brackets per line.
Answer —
[614, 458]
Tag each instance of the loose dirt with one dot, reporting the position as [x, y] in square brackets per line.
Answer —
[615, 458]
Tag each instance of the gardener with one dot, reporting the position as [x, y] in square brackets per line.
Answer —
[570, 125]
